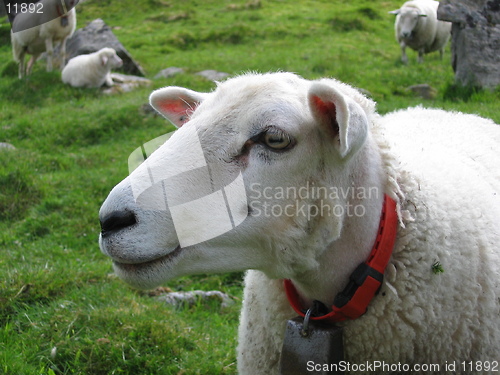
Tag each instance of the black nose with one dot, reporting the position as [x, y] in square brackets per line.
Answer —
[116, 221]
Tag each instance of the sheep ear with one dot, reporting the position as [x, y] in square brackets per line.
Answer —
[104, 60]
[176, 103]
[395, 12]
[340, 117]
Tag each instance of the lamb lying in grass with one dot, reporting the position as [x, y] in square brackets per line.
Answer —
[92, 70]
[35, 33]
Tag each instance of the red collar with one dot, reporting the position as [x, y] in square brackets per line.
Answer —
[366, 279]
[60, 10]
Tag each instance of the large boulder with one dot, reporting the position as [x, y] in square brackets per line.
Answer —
[97, 35]
[475, 42]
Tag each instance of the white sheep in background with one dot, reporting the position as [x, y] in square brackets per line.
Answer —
[417, 27]
[91, 70]
[299, 147]
[35, 33]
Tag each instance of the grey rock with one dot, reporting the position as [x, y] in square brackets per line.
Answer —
[475, 41]
[470, 12]
[191, 298]
[169, 72]
[6, 146]
[365, 92]
[424, 90]
[125, 78]
[125, 83]
[97, 35]
[147, 110]
[213, 75]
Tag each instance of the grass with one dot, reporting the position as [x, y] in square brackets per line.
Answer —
[61, 309]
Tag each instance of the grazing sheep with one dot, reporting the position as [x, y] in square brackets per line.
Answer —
[35, 33]
[417, 27]
[92, 70]
[318, 165]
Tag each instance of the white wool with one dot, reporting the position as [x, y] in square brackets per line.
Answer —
[440, 167]
[447, 167]
[91, 70]
[417, 27]
[43, 37]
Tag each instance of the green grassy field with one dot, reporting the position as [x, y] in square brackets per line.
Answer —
[62, 311]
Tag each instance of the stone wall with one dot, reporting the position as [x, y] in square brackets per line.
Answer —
[475, 42]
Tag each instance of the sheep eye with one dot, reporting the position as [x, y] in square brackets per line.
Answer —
[276, 140]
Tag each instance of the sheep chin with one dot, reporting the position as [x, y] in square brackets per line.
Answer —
[146, 275]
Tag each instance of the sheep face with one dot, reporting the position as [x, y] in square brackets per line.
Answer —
[406, 22]
[252, 175]
[109, 58]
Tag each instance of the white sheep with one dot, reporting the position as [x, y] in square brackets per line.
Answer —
[91, 70]
[35, 33]
[316, 165]
[417, 27]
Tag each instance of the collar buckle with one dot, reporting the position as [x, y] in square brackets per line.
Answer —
[356, 280]
[364, 283]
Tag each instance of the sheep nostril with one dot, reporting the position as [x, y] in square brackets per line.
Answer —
[116, 221]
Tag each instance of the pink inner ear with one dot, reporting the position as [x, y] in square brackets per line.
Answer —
[329, 110]
[173, 107]
[177, 108]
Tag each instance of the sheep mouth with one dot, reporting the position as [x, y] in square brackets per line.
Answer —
[139, 266]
